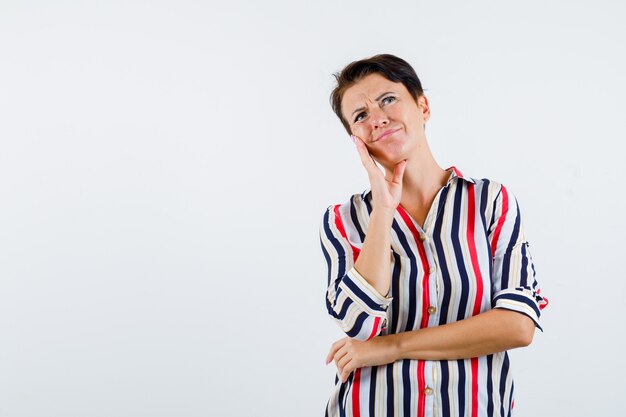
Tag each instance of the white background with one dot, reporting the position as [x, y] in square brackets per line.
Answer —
[164, 167]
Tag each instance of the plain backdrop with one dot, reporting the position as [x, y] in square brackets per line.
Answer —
[165, 165]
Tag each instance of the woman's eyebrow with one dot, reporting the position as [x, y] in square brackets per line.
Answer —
[377, 98]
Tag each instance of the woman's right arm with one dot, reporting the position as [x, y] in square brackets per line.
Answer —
[374, 261]
[357, 304]
[358, 278]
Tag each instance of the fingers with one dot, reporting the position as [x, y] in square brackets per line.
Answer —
[365, 156]
[347, 369]
[345, 362]
[341, 354]
[334, 348]
[398, 171]
[342, 360]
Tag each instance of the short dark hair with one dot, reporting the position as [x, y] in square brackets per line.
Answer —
[389, 66]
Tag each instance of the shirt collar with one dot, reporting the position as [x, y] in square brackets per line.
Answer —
[455, 173]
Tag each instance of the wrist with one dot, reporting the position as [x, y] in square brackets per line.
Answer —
[385, 214]
[395, 350]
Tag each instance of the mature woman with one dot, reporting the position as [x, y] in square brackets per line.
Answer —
[429, 271]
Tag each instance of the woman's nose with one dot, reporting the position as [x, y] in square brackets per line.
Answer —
[378, 118]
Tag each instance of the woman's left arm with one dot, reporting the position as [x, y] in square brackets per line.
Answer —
[493, 331]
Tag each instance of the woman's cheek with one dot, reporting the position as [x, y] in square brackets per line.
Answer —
[362, 133]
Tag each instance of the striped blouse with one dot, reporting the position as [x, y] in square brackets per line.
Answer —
[470, 256]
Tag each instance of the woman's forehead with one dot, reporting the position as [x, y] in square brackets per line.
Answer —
[368, 90]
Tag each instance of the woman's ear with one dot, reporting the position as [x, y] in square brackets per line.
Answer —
[422, 104]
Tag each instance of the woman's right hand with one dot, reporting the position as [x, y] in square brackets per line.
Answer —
[386, 193]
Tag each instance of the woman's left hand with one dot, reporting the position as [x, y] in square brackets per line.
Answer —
[350, 354]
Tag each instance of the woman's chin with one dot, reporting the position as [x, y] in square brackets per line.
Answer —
[395, 155]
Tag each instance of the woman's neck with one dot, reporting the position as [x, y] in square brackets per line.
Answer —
[422, 178]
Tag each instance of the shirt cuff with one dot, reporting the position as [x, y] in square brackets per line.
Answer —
[364, 294]
[519, 300]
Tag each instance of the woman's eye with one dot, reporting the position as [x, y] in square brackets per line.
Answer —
[392, 98]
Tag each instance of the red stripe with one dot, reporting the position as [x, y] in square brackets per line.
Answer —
[474, 387]
[505, 209]
[421, 384]
[356, 388]
[471, 219]
[456, 171]
[374, 328]
[342, 230]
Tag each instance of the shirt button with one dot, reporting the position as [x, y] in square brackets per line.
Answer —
[432, 310]
[422, 237]
[384, 307]
[432, 269]
[428, 390]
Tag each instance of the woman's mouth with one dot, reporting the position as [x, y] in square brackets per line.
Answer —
[385, 134]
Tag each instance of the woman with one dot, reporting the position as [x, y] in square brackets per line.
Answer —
[429, 272]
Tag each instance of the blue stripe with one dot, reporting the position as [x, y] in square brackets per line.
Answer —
[328, 262]
[458, 254]
[494, 207]
[353, 286]
[489, 385]
[390, 386]
[355, 220]
[441, 260]
[342, 397]
[506, 259]
[372, 398]
[412, 322]
[393, 322]
[445, 385]
[503, 375]
[462, 384]
[524, 272]
[358, 325]
[407, 392]
[344, 308]
[511, 398]
[341, 253]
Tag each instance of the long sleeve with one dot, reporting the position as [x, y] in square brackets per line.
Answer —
[357, 307]
[514, 286]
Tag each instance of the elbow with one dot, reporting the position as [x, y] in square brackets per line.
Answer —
[518, 329]
[525, 331]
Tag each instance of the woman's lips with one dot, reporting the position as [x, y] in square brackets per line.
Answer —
[387, 133]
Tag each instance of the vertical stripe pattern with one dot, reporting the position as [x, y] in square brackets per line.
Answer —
[469, 256]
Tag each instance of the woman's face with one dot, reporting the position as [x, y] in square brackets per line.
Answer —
[385, 116]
